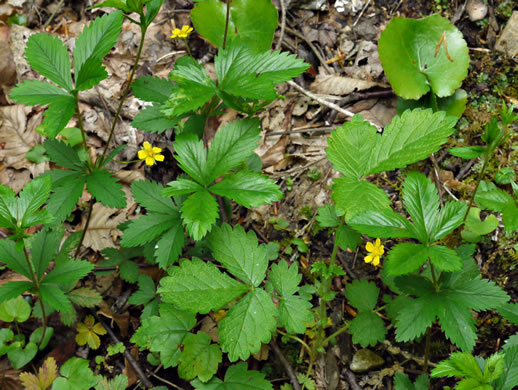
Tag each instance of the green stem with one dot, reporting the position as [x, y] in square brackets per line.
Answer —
[480, 176]
[88, 217]
[434, 278]
[36, 283]
[427, 348]
[433, 101]
[226, 24]
[298, 339]
[337, 333]
[143, 30]
[189, 51]
[82, 130]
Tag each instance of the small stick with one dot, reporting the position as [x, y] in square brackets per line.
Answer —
[283, 25]
[286, 364]
[131, 360]
[351, 379]
[53, 14]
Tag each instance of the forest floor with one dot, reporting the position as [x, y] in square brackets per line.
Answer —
[341, 46]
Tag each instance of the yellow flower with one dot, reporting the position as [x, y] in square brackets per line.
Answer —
[150, 154]
[183, 33]
[375, 251]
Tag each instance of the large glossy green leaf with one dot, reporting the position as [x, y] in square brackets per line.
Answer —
[415, 63]
[152, 89]
[453, 105]
[208, 17]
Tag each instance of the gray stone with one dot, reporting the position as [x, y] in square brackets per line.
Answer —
[365, 360]
[508, 41]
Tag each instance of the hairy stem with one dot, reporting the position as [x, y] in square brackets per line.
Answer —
[479, 179]
[88, 217]
[143, 30]
[36, 283]
[226, 24]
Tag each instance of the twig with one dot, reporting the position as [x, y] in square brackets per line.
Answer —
[131, 360]
[326, 103]
[324, 129]
[53, 14]
[287, 366]
[165, 381]
[349, 375]
[283, 25]
[312, 47]
[463, 172]
[361, 13]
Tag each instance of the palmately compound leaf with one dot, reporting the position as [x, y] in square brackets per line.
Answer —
[44, 248]
[247, 188]
[242, 72]
[419, 55]
[362, 294]
[57, 116]
[30, 200]
[367, 320]
[146, 291]
[231, 146]
[199, 358]
[237, 377]
[240, 253]
[199, 287]
[48, 56]
[354, 197]
[165, 333]
[410, 137]
[152, 89]
[199, 214]
[248, 324]
[350, 147]
[106, 189]
[181, 187]
[97, 39]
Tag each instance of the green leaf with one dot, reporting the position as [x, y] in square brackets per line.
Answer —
[192, 157]
[294, 313]
[247, 188]
[37, 154]
[413, 320]
[451, 216]
[106, 189]
[231, 146]
[505, 175]
[92, 73]
[65, 196]
[169, 247]
[362, 294]
[327, 216]
[444, 258]
[285, 279]
[85, 297]
[165, 334]
[120, 382]
[347, 238]
[8, 207]
[494, 367]
[37, 334]
[63, 154]
[146, 291]
[208, 17]
[129, 271]
[453, 105]
[382, 224]
[68, 272]
[147, 228]
[479, 227]
[199, 213]
[460, 364]
[97, 39]
[44, 248]
[152, 89]
[16, 309]
[241, 72]
[199, 287]
[421, 200]
[477, 294]
[195, 88]
[57, 115]
[457, 324]
[237, 377]
[152, 9]
[20, 356]
[491, 197]
[11, 290]
[356, 197]
[401, 382]
[78, 376]
[13, 259]
[153, 120]
[367, 320]
[30, 199]
[199, 358]
[410, 137]
[468, 152]
[413, 61]
[248, 324]
[509, 379]
[49, 57]
[35, 92]
[149, 194]
[255, 32]
[405, 258]
[181, 187]
[240, 253]
[55, 297]
[350, 147]
[510, 312]
[119, 4]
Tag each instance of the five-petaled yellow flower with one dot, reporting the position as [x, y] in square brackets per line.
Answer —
[150, 154]
[375, 251]
[183, 33]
